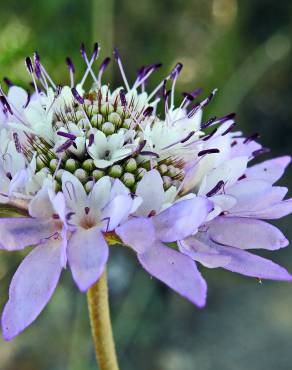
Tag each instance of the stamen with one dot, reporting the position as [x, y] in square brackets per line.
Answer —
[208, 123]
[229, 129]
[251, 138]
[102, 68]
[77, 96]
[67, 135]
[123, 97]
[152, 154]
[260, 151]
[91, 140]
[216, 189]
[208, 151]
[6, 104]
[8, 81]
[148, 111]
[17, 142]
[65, 146]
[89, 63]
[118, 60]
[71, 70]
[207, 137]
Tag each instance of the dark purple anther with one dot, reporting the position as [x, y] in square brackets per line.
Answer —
[187, 137]
[82, 50]
[216, 188]
[207, 137]
[70, 64]
[151, 154]
[77, 96]
[260, 151]
[148, 111]
[188, 96]
[17, 142]
[176, 70]
[152, 67]
[38, 69]
[91, 139]
[194, 110]
[209, 122]
[7, 81]
[251, 138]
[227, 117]
[29, 65]
[95, 50]
[208, 151]
[116, 54]
[242, 177]
[5, 104]
[67, 135]
[65, 146]
[229, 129]
[123, 97]
[104, 64]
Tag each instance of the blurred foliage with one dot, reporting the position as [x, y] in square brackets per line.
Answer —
[244, 49]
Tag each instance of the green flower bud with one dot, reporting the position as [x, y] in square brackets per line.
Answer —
[89, 186]
[71, 165]
[108, 128]
[94, 109]
[97, 174]
[140, 173]
[81, 175]
[106, 108]
[127, 123]
[172, 171]
[128, 179]
[120, 110]
[115, 171]
[79, 115]
[54, 164]
[88, 165]
[114, 118]
[166, 182]
[131, 165]
[40, 162]
[96, 120]
[59, 175]
[162, 169]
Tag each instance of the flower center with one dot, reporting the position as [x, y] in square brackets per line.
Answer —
[120, 123]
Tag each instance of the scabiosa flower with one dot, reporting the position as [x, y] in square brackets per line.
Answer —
[88, 166]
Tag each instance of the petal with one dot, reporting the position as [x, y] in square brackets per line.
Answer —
[100, 193]
[87, 255]
[18, 233]
[182, 219]
[150, 189]
[270, 170]
[116, 211]
[246, 233]
[138, 233]
[31, 288]
[240, 261]
[229, 172]
[41, 206]
[17, 97]
[176, 270]
[276, 211]
[73, 190]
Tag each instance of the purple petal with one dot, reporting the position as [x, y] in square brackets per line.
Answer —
[233, 259]
[176, 270]
[87, 255]
[116, 211]
[270, 170]
[31, 288]
[18, 233]
[182, 219]
[277, 210]
[150, 188]
[138, 233]
[246, 233]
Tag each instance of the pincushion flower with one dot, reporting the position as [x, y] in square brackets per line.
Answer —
[88, 167]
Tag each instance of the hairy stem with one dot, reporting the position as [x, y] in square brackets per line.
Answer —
[99, 313]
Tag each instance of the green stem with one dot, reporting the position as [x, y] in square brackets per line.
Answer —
[99, 313]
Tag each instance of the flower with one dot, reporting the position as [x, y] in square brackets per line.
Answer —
[88, 167]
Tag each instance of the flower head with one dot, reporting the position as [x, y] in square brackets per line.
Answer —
[85, 164]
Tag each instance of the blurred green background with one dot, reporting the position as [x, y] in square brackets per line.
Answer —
[244, 49]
